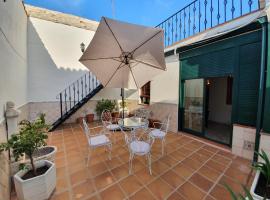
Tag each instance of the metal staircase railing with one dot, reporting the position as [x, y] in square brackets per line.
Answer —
[200, 15]
[76, 95]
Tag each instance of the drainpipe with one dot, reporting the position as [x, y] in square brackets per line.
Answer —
[263, 21]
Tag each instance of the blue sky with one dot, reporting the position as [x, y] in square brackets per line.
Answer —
[145, 12]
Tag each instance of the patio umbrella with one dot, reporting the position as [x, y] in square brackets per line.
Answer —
[124, 55]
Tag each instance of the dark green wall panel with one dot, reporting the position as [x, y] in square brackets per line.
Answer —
[240, 57]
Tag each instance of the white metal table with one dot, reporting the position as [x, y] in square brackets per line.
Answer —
[133, 123]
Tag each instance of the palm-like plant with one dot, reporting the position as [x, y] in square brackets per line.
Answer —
[31, 136]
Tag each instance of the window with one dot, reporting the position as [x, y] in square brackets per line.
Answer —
[145, 93]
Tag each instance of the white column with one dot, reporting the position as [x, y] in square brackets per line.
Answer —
[12, 116]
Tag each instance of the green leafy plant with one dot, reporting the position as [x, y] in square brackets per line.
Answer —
[31, 136]
[105, 104]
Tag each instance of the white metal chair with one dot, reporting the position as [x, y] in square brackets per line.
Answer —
[107, 122]
[161, 131]
[97, 140]
[139, 147]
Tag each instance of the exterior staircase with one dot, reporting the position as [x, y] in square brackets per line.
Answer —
[75, 96]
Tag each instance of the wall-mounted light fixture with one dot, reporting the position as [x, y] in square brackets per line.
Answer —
[208, 82]
[82, 45]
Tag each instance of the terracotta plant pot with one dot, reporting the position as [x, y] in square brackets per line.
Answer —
[90, 118]
[80, 120]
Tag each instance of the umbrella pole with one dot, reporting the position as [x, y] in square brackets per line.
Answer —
[123, 107]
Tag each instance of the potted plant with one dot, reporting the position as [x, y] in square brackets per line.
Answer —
[260, 188]
[105, 104]
[90, 117]
[38, 179]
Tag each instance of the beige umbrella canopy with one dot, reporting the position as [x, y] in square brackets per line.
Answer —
[124, 55]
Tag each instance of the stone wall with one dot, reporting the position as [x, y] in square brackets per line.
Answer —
[243, 141]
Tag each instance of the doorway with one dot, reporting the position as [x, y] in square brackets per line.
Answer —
[207, 108]
[218, 109]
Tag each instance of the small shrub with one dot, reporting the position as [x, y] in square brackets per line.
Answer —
[31, 136]
[105, 104]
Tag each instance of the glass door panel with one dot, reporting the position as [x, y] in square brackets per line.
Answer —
[194, 105]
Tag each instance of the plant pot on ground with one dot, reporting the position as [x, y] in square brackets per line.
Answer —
[260, 188]
[33, 186]
[90, 117]
[31, 137]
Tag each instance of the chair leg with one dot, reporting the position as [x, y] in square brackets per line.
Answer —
[163, 146]
[88, 157]
[130, 163]
[149, 163]
[110, 151]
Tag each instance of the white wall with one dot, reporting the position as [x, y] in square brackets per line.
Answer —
[13, 54]
[165, 87]
[219, 110]
[53, 54]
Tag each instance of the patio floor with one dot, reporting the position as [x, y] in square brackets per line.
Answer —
[190, 170]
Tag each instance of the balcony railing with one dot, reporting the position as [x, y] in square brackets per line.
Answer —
[200, 15]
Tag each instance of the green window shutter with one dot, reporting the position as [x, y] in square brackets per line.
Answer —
[212, 64]
[248, 83]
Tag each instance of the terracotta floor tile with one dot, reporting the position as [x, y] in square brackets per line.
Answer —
[114, 162]
[120, 172]
[112, 193]
[159, 188]
[205, 152]
[144, 176]
[169, 161]
[199, 157]
[95, 197]
[236, 174]
[83, 190]
[220, 193]
[176, 196]
[235, 185]
[61, 172]
[159, 167]
[209, 173]
[97, 169]
[78, 176]
[131, 184]
[228, 155]
[177, 156]
[210, 198]
[201, 182]
[61, 196]
[143, 194]
[191, 192]
[185, 151]
[215, 165]
[173, 179]
[183, 170]
[61, 184]
[103, 180]
[192, 163]
[221, 159]
[210, 148]
[76, 167]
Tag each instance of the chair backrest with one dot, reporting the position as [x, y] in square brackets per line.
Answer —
[165, 124]
[86, 129]
[106, 117]
[135, 133]
[142, 113]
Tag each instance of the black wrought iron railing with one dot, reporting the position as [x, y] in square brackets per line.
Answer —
[76, 92]
[200, 15]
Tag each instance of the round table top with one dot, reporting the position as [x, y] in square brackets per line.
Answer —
[133, 122]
